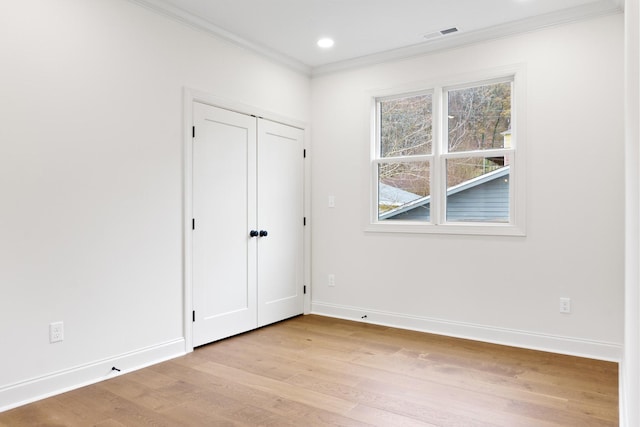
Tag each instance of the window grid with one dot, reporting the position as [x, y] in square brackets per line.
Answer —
[440, 155]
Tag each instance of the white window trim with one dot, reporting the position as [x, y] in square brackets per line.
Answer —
[516, 226]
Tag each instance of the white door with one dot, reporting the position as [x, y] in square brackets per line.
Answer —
[224, 210]
[248, 223]
[280, 214]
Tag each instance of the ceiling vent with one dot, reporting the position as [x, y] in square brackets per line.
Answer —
[441, 33]
[449, 31]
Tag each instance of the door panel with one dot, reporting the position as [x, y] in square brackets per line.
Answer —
[280, 213]
[224, 194]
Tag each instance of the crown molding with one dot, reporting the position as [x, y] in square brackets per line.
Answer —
[566, 16]
[580, 13]
[184, 17]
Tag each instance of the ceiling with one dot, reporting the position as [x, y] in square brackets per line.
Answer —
[368, 31]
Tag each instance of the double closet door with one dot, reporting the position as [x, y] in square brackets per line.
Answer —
[248, 223]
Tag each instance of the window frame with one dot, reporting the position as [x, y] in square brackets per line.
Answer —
[440, 154]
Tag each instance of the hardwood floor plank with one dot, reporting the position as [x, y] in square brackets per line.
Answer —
[381, 418]
[110, 423]
[425, 408]
[266, 393]
[282, 389]
[319, 371]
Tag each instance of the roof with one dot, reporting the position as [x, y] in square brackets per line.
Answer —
[394, 196]
[416, 201]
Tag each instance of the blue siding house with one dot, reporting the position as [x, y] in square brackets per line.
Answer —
[485, 199]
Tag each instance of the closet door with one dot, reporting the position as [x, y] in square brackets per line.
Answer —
[224, 210]
[280, 214]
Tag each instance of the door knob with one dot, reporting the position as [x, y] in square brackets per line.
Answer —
[253, 233]
[263, 233]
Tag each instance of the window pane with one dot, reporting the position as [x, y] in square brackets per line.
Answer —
[404, 191]
[405, 126]
[478, 189]
[479, 117]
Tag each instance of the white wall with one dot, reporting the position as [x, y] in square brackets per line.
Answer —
[91, 138]
[91, 191]
[503, 289]
[630, 367]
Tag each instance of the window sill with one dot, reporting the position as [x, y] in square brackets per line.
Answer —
[473, 229]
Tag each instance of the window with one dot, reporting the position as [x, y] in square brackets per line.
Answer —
[444, 160]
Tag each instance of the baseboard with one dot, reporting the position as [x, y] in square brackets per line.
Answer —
[622, 395]
[511, 337]
[19, 394]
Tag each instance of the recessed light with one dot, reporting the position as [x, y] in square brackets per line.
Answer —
[325, 43]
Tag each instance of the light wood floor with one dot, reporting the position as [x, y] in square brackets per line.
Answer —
[318, 371]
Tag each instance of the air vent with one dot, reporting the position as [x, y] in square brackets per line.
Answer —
[449, 31]
[441, 33]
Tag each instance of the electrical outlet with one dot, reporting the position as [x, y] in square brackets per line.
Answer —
[56, 332]
[332, 201]
[331, 280]
[565, 305]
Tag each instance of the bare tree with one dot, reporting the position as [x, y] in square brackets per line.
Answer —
[477, 119]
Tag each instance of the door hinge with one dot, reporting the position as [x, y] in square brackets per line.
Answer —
[193, 223]
[304, 153]
[304, 221]
[193, 132]
[194, 315]
[304, 289]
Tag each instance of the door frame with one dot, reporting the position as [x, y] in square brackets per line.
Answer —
[189, 97]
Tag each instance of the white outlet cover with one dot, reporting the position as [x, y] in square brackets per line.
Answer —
[56, 332]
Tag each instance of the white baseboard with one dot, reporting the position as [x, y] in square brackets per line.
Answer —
[19, 394]
[511, 337]
[622, 395]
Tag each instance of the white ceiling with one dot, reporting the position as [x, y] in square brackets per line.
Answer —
[367, 31]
